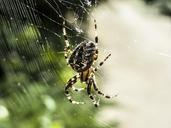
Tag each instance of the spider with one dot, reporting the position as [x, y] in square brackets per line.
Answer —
[81, 60]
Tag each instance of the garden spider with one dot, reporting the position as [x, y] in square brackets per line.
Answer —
[81, 59]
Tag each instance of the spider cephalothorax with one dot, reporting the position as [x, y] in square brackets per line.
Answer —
[81, 59]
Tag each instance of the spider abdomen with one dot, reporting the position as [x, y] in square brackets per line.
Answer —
[83, 56]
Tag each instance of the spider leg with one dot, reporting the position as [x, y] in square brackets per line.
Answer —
[96, 36]
[78, 89]
[89, 84]
[101, 63]
[67, 49]
[96, 39]
[98, 91]
[70, 84]
[96, 55]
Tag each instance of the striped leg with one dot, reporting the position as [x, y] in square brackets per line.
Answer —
[101, 63]
[67, 49]
[96, 103]
[69, 84]
[96, 37]
[96, 55]
[78, 89]
[98, 91]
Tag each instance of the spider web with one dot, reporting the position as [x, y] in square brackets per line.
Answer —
[42, 19]
[38, 13]
[33, 71]
[31, 48]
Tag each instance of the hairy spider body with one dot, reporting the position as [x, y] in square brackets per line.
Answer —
[82, 59]
[83, 56]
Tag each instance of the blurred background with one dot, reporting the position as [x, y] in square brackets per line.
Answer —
[33, 70]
